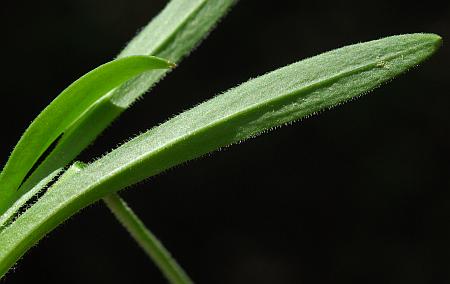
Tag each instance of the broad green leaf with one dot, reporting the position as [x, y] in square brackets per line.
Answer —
[177, 30]
[261, 104]
[65, 110]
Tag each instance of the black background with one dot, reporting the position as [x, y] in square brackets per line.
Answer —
[358, 194]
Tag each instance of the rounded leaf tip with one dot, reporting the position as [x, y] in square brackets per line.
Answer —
[435, 39]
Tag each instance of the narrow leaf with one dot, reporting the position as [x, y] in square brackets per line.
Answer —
[12, 211]
[279, 97]
[63, 112]
[178, 29]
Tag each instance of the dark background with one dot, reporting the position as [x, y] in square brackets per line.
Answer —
[358, 194]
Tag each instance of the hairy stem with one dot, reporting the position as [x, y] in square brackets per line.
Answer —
[146, 240]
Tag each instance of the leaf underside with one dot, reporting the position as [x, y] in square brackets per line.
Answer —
[287, 94]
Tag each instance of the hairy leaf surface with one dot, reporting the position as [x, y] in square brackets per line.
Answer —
[13, 210]
[63, 111]
[177, 30]
[279, 97]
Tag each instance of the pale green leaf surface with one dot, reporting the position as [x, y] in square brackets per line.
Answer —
[73, 141]
[172, 34]
[62, 112]
[279, 97]
[13, 210]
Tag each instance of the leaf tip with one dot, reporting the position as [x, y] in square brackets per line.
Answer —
[437, 41]
[434, 39]
[171, 64]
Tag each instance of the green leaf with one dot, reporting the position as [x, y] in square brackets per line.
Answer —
[287, 94]
[12, 211]
[177, 30]
[66, 109]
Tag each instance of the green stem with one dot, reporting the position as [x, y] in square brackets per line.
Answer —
[146, 240]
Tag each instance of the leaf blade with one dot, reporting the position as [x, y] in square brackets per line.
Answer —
[22, 201]
[63, 111]
[269, 101]
[178, 29]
